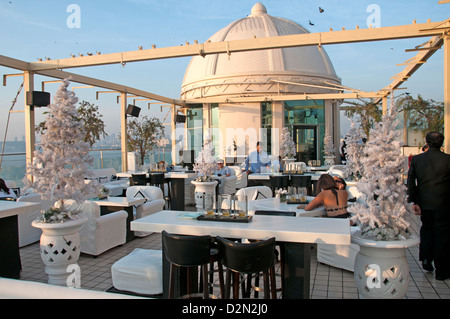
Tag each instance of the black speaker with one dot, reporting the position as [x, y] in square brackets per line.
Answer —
[38, 98]
[180, 118]
[133, 110]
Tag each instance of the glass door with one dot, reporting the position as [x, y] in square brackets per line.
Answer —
[305, 138]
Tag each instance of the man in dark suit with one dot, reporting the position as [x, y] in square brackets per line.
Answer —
[429, 190]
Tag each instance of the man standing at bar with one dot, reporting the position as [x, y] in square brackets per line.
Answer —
[256, 160]
[429, 190]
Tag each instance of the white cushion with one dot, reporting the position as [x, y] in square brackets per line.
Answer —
[139, 272]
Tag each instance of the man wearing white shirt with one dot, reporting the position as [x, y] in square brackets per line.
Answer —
[256, 159]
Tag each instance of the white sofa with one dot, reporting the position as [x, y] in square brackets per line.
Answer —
[339, 256]
[241, 176]
[338, 170]
[228, 185]
[27, 233]
[255, 192]
[101, 232]
[155, 202]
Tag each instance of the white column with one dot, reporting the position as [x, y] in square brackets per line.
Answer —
[123, 131]
[30, 140]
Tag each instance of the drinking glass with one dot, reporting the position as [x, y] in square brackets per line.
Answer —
[241, 205]
[224, 204]
[208, 204]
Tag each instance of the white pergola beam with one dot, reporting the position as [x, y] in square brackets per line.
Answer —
[286, 97]
[321, 38]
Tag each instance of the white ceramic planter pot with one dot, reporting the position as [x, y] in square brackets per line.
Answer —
[329, 160]
[381, 270]
[60, 248]
[203, 188]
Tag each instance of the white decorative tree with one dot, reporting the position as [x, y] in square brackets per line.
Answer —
[205, 163]
[328, 145]
[354, 151]
[61, 165]
[287, 147]
[381, 215]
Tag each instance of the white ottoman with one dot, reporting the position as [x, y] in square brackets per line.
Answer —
[139, 272]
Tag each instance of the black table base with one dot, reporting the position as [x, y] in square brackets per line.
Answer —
[10, 264]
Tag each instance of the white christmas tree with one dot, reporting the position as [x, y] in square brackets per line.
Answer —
[205, 163]
[354, 151]
[287, 146]
[61, 164]
[328, 145]
[381, 215]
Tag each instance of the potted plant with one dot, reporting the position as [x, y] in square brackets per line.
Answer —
[58, 171]
[287, 147]
[381, 268]
[204, 165]
[328, 150]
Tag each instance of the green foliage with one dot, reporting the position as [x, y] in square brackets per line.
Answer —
[143, 135]
[366, 113]
[423, 115]
[94, 127]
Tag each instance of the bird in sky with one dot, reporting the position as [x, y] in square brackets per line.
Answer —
[310, 23]
[321, 10]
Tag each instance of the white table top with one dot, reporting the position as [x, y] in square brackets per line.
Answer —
[10, 208]
[266, 176]
[287, 229]
[120, 201]
[274, 204]
[166, 175]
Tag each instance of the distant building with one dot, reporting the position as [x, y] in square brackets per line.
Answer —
[212, 79]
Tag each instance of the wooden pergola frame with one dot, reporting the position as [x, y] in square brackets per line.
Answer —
[438, 31]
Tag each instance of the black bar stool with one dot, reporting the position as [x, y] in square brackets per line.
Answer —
[278, 181]
[279, 244]
[248, 259]
[138, 179]
[302, 181]
[158, 179]
[191, 251]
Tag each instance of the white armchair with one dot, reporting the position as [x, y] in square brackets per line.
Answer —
[155, 202]
[27, 233]
[255, 192]
[241, 176]
[101, 232]
[228, 185]
[339, 170]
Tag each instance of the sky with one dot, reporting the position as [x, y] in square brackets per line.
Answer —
[31, 29]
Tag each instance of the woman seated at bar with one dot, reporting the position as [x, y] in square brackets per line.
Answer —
[331, 197]
[5, 191]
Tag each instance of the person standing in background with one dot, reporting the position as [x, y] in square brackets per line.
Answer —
[429, 189]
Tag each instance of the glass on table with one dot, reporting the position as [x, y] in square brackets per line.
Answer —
[224, 204]
[241, 206]
[302, 193]
[208, 204]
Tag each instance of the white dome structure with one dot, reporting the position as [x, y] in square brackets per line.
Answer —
[206, 76]
[231, 94]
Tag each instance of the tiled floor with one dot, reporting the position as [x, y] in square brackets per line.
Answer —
[326, 282]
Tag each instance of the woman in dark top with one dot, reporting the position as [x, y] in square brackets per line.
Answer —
[5, 191]
[331, 197]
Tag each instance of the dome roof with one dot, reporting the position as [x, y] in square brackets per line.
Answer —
[212, 75]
